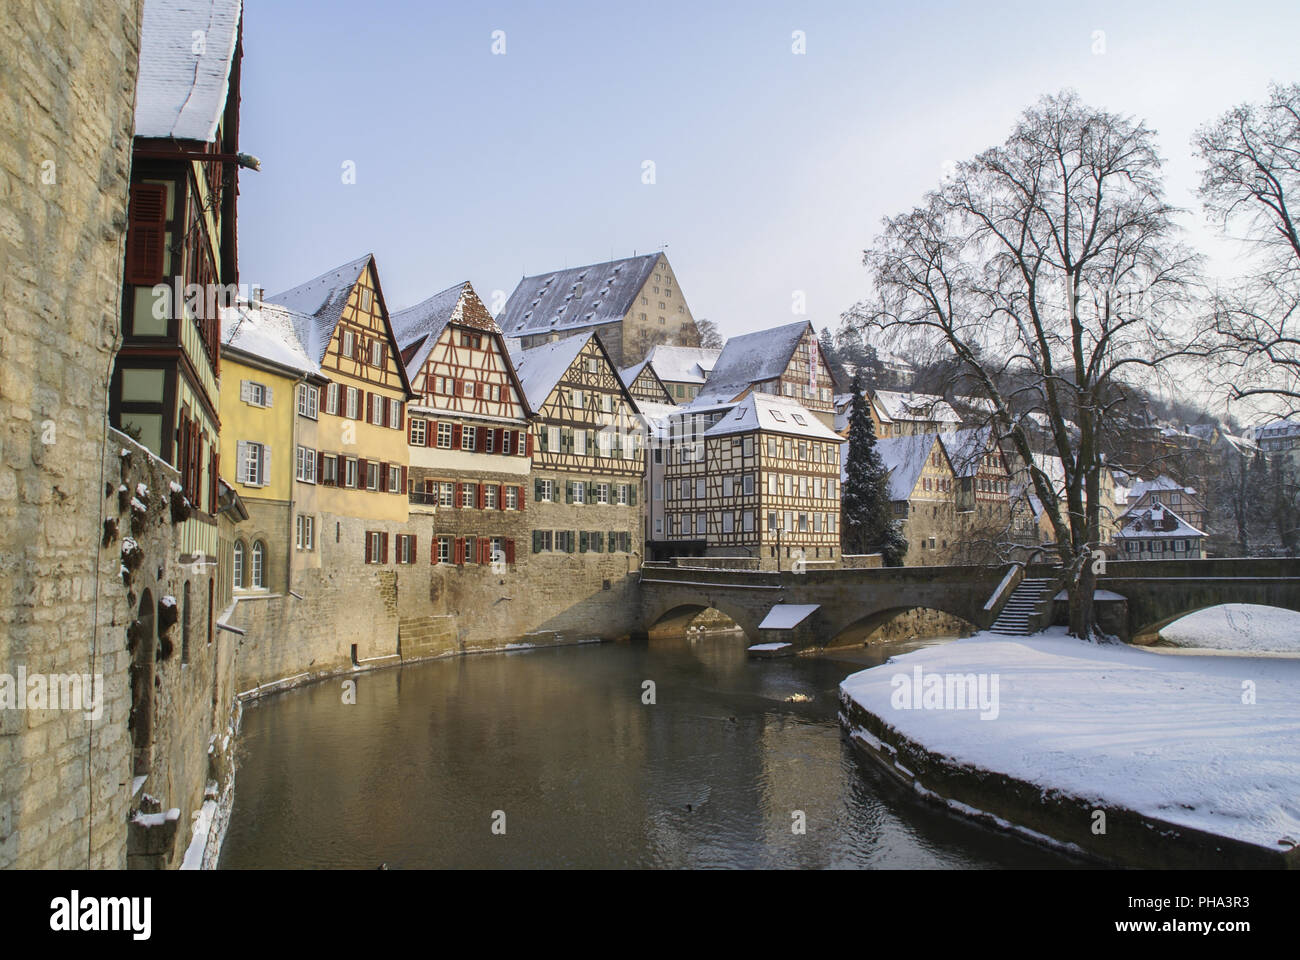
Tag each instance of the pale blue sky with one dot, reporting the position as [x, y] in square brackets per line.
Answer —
[773, 169]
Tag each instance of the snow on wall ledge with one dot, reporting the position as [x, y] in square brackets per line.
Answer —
[1192, 761]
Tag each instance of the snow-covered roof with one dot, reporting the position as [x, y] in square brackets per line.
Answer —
[540, 368]
[772, 414]
[925, 407]
[268, 331]
[965, 448]
[675, 364]
[322, 300]
[186, 51]
[418, 328]
[752, 358]
[657, 417]
[904, 458]
[787, 616]
[1154, 522]
[1279, 428]
[576, 298]
[629, 374]
[1160, 484]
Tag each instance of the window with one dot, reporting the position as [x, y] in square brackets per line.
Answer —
[602, 493]
[545, 491]
[376, 547]
[376, 409]
[395, 414]
[444, 436]
[259, 565]
[467, 437]
[376, 353]
[350, 473]
[699, 488]
[579, 489]
[332, 399]
[490, 496]
[468, 495]
[349, 343]
[622, 494]
[489, 441]
[419, 431]
[444, 549]
[308, 401]
[306, 465]
[353, 408]
[405, 548]
[471, 550]
[366, 298]
[372, 475]
[305, 532]
[512, 498]
[699, 524]
[446, 494]
[254, 393]
[749, 484]
[329, 475]
[394, 478]
[238, 572]
[728, 522]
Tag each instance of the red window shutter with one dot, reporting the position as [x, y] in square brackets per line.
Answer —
[482, 495]
[510, 551]
[484, 550]
[410, 556]
[383, 355]
[480, 441]
[370, 403]
[383, 547]
[320, 466]
[498, 440]
[146, 233]
[523, 496]
[457, 497]
[433, 551]
[402, 482]
[528, 451]
[501, 496]
[361, 474]
[214, 482]
[369, 540]
[459, 555]
[383, 477]
[455, 436]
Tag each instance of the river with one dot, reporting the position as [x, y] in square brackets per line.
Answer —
[550, 758]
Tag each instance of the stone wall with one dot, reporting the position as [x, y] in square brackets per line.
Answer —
[67, 86]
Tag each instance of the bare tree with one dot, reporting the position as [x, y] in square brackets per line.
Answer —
[1051, 256]
[1250, 184]
[709, 336]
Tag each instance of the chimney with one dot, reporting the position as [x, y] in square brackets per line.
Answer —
[256, 293]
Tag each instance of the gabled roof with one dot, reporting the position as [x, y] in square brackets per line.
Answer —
[1156, 521]
[904, 458]
[418, 328]
[630, 375]
[270, 332]
[540, 368]
[891, 406]
[1160, 484]
[965, 448]
[772, 414]
[318, 307]
[674, 364]
[322, 299]
[577, 298]
[752, 358]
[182, 94]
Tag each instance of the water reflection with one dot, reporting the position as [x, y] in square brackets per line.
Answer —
[586, 774]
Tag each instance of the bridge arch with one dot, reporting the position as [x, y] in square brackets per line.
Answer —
[680, 605]
[859, 630]
[1148, 633]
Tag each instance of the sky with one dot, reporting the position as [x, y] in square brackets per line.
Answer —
[490, 141]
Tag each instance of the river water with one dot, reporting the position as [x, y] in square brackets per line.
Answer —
[556, 748]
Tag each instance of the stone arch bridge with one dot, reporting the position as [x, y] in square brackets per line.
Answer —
[827, 603]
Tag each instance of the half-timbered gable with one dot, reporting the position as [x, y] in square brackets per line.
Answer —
[587, 449]
[759, 479]
[467, 430]
[343, 324]
[783, 361]
[181, 259]
[682, 370]
[644, 384]
[633, 304]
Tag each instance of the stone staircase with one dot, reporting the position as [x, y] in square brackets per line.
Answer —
[1016, 618]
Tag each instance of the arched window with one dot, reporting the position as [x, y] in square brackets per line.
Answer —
[239, 564]
[259, 565]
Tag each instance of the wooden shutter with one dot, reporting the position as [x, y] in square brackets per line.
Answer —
[361, 474]
[523, 496]
[383, 547]
[459, 555]
[433, 551]
[510, 551]
[526, 447]
[631, 493]
[241, 458]
[537, 488]
[482, 495]
[383, 478]
[320, 466]
[411, 548]
[246, 391]
[537, 541]
[480, 440]
[369, 541]
[501, 496]
[266, 466]
[456, 499]
[402, 482]
[455, 436]
[146, 233]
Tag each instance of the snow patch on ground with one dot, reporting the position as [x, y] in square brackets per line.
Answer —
[768, 646]
[1237, 626]
[1170, 738]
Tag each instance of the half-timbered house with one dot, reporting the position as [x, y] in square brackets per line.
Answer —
[359, 465]
[682, 370]
[783, 361]
[467, 429]
[181, 258]
[756, 479]
[633, 304]
[587, 453]
[644, 384]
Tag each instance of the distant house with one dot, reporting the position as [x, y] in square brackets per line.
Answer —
[1158, 533]
[921, 487]
[903, 414]
[1168, 492]
[634, 304]
[682, 370]
[644, 384]
[783, 361]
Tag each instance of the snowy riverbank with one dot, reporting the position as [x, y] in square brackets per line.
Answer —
[1246, 627]
[1207, 743]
